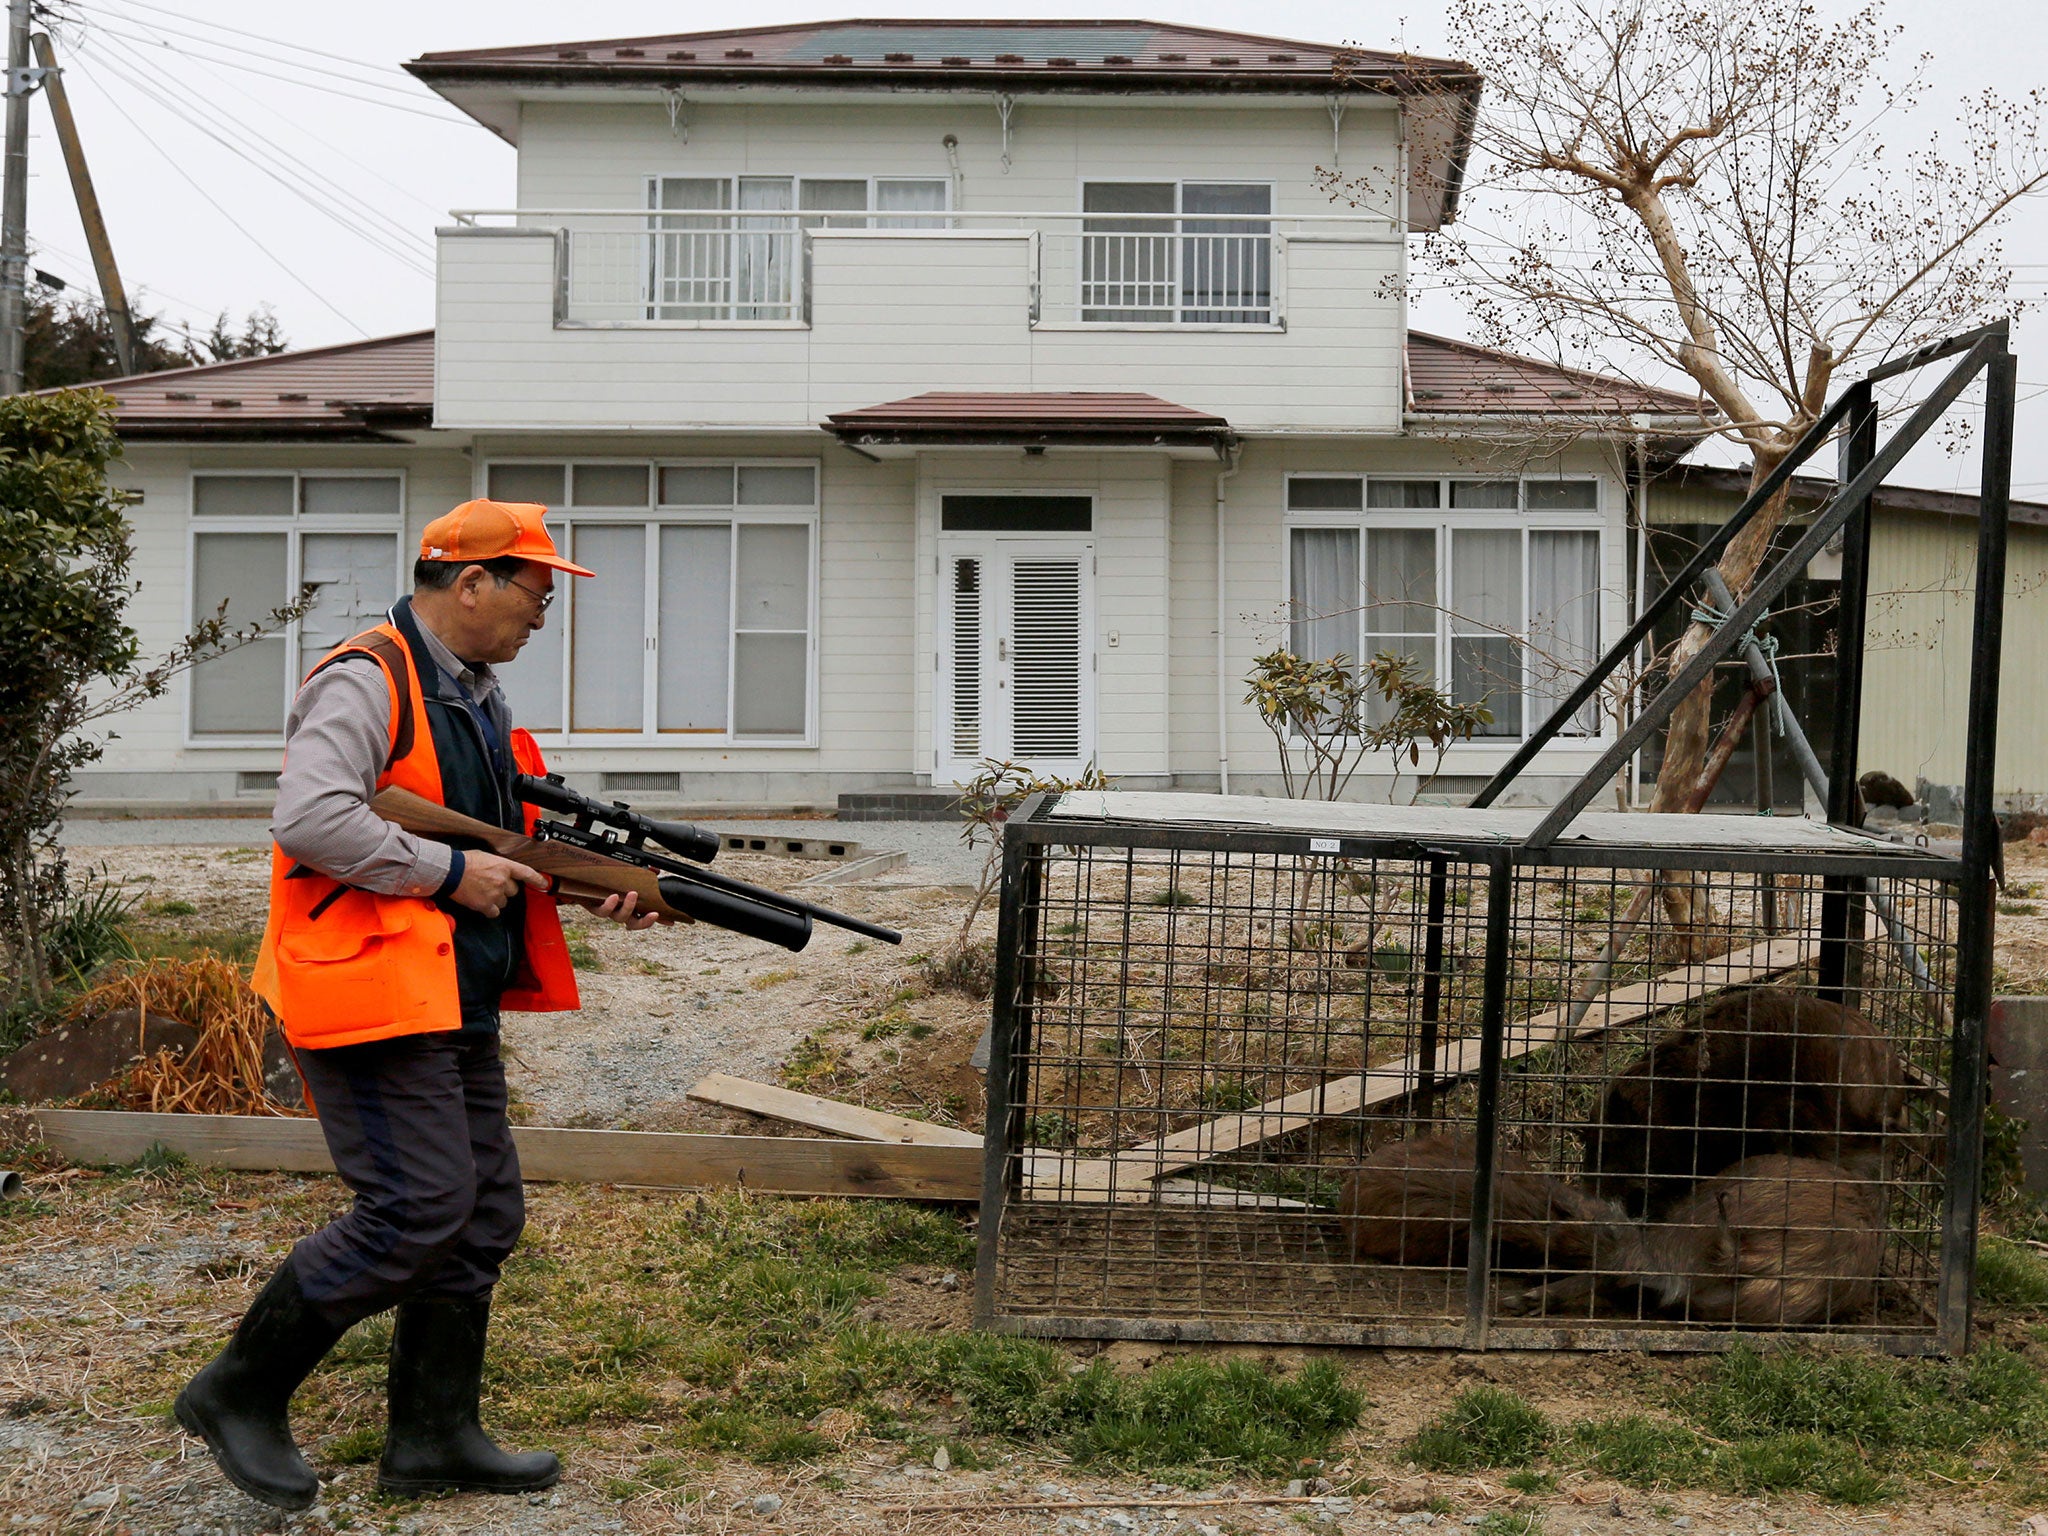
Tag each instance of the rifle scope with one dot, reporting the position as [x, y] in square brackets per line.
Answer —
[678, 837]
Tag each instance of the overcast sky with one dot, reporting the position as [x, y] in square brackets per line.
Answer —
[317, 193]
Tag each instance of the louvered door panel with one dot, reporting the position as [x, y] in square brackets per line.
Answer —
[1047, 657]
[967, 583]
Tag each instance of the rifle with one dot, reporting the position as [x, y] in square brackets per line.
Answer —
[586, 866]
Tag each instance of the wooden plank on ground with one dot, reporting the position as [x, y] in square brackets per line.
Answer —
[785, 1165]
[827, 1114]
[1224, 1134]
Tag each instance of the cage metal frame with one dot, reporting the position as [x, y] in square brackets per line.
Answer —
[1846, 880]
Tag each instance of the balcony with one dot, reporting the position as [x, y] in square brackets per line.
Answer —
[1271, 321]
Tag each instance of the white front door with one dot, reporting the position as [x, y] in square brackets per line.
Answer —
[1016, 675]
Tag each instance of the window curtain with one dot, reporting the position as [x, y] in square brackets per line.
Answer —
[1486, 616]
[1564, 621]
[1323, 616]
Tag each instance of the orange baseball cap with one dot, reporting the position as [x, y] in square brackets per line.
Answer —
[486, 530]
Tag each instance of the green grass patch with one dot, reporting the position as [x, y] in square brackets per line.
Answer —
[1847, 1427]
[584, 956]
[1485, 1427]
[1172, 896]
[729, 1325]
[2010, 1274]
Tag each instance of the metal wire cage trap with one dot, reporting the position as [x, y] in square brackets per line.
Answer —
[1470, 1077]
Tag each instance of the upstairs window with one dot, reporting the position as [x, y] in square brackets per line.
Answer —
[257, 538]
[725, 247]
[1493, 587]
[1166, 252]
[698, 624]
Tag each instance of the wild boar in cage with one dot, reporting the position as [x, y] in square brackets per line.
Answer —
[1766, 1069]
[1370, 1074]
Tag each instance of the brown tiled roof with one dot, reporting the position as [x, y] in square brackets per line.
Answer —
[362, 388]
[1040, 417]
[347, 391]
[1049, 54]
[1456, 378]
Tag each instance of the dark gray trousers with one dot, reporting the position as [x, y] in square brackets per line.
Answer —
[417, 1128]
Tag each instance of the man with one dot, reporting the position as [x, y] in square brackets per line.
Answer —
[386, 959]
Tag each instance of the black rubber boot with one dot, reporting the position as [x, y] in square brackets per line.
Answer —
[435, 1444]
[237, 1404]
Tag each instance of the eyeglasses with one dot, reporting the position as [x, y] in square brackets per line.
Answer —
[545, 599]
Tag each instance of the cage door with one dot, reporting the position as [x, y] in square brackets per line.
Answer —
[1015, 669]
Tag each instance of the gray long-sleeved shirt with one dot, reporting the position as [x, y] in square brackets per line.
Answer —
[335, 741]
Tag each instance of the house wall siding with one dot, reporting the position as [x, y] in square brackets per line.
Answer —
[596, 155]
[895, 313]
[1917, 669]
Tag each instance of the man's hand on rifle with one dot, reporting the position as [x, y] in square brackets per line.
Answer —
[489, 881]
[620, 909]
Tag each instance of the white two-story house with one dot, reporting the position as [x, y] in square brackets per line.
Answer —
[922, 393]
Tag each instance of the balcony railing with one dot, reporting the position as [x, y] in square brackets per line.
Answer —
[639, 267]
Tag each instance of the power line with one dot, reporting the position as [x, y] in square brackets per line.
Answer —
[247, 234]
[221, 26]
[227, 84]
[381, 239]
[391, 231]
[305, 84]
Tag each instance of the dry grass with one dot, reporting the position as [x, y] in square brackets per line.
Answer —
[223, 1073]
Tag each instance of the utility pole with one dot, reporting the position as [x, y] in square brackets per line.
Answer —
[112, 294]
[14, 203]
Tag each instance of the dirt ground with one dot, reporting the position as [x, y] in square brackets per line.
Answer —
[97, 1293]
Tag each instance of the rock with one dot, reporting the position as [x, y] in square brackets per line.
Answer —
[1683, 1522]
[1296, 1488]
[281, 1078]
[949, 1281]
[942, 1459]
[2020, 824]
[765, 1503]
[104, 1499]
[1116, 1519]
[79, 1057]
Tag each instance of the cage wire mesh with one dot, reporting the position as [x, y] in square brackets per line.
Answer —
[1244, 1091]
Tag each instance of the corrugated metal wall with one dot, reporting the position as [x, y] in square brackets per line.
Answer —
[1917, 682]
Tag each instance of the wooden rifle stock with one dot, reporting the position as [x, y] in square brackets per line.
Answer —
[575, 875]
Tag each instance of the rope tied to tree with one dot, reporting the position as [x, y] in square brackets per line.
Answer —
[1706, 613]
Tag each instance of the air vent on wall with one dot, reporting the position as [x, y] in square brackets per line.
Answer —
[956, 61]
[643, 783]
[1116, 58]
[739, 53]
[838, 58]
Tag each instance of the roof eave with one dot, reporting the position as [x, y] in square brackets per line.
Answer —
[164, 430]
[569, 73]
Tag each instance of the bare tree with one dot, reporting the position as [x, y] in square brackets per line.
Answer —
[1706, 186]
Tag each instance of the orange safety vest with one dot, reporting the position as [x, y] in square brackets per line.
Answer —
[340, 966]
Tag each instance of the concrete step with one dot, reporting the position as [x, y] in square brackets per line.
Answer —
[900, 805]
